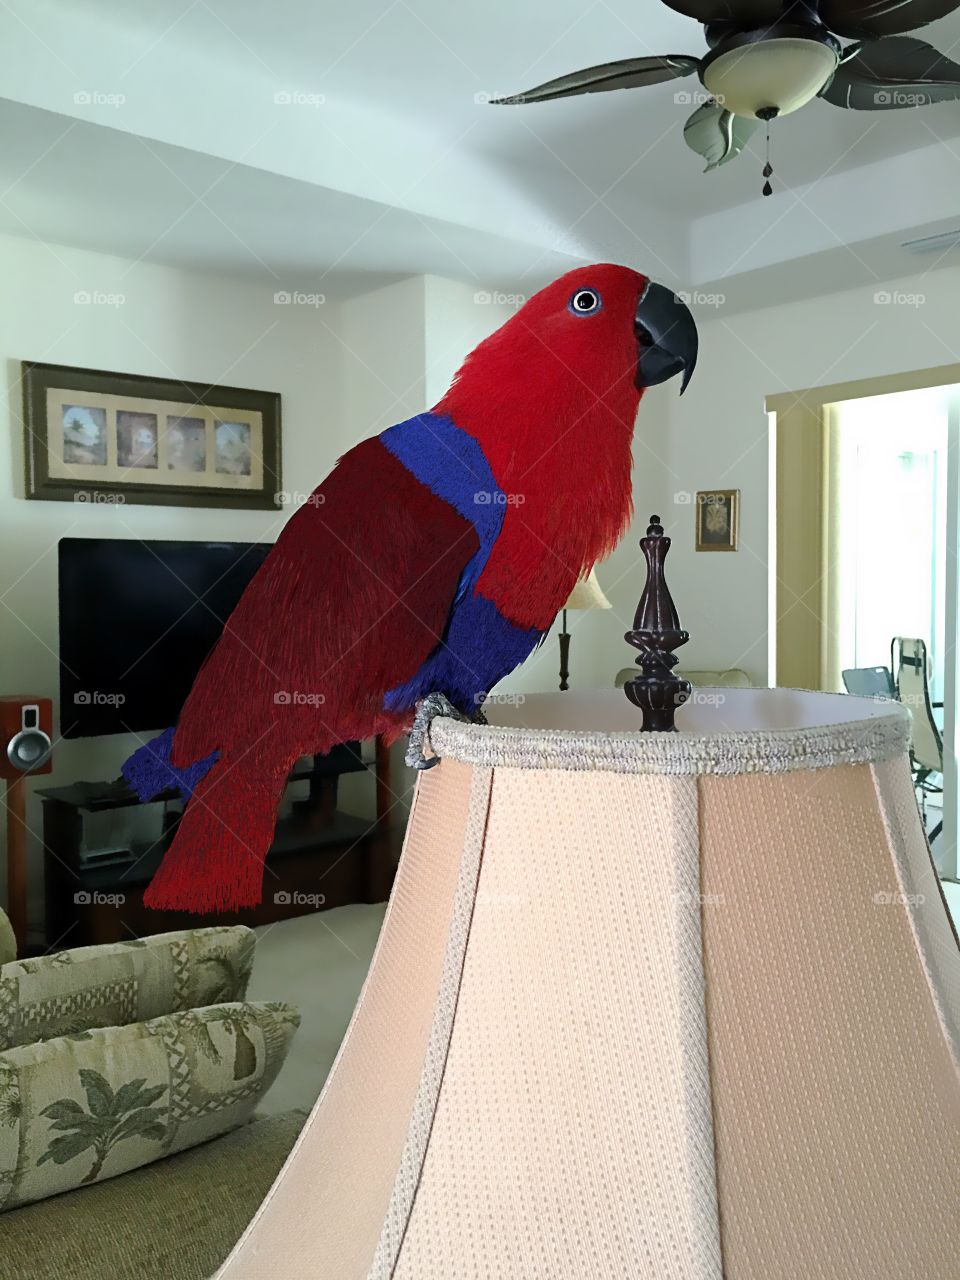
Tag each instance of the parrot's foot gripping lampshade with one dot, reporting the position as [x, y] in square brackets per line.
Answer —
[665, 1006]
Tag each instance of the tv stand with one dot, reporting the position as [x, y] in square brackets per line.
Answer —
[320, 857]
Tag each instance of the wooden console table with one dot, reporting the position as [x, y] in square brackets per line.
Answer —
[320, 858]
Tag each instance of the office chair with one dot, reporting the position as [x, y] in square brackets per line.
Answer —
[908, 660]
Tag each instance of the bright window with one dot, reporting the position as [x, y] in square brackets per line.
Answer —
[887, 487]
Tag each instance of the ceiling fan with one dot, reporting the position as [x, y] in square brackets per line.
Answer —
[766, 58]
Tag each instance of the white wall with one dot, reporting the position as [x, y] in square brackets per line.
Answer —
[381, 348]
[719, 435]
[170, 323]
[457, 317]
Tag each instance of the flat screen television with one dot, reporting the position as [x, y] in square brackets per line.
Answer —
[137, 620]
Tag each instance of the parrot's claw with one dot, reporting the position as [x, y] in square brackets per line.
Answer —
[431, 706]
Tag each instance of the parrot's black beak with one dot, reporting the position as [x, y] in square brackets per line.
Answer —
[667, 336]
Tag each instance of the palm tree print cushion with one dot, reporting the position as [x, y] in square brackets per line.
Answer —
[91, 1105]
[122, 982]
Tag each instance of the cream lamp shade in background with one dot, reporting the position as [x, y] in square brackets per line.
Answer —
[663, 1006]
[587, 594]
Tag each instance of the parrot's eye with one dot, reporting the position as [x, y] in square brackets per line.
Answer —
[585, 302]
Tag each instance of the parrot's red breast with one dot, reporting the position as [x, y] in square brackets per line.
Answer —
[552, 399]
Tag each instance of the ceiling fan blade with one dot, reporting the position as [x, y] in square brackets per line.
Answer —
[893, 73]
[860, 18]
[742, 13]
[630, 73]
[717, 135]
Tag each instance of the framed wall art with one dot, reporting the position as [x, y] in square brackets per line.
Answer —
[94, 436]
[718, 519]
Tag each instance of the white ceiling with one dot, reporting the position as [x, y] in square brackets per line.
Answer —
[81, 184]
[153, 129]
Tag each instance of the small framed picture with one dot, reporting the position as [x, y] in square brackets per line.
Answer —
[718, 519]
[92, 436]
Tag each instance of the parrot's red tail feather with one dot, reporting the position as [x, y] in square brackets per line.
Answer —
[216, 860]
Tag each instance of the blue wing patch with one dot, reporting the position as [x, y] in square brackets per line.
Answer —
[479, 646]
[453, 466]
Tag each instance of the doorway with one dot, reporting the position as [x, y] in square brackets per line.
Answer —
[885, 540]
[866, 490]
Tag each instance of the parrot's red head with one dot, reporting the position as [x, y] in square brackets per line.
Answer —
[551, 397]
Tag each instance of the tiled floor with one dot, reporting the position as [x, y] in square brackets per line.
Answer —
[318, 963]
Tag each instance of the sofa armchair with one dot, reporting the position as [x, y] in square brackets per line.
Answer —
[175, 1218]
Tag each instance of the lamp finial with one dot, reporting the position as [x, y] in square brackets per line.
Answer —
[658, 691]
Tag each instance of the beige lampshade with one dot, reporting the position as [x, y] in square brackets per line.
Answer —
[657, 1006]
[587, 594]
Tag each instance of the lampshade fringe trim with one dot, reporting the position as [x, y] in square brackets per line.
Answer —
[675, 754]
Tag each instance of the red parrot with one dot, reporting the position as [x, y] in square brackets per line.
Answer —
[433, 558]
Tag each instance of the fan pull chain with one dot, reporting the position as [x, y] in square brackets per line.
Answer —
[768, 167]
[767, 114]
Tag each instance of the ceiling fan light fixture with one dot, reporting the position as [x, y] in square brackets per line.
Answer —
[769, 72]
